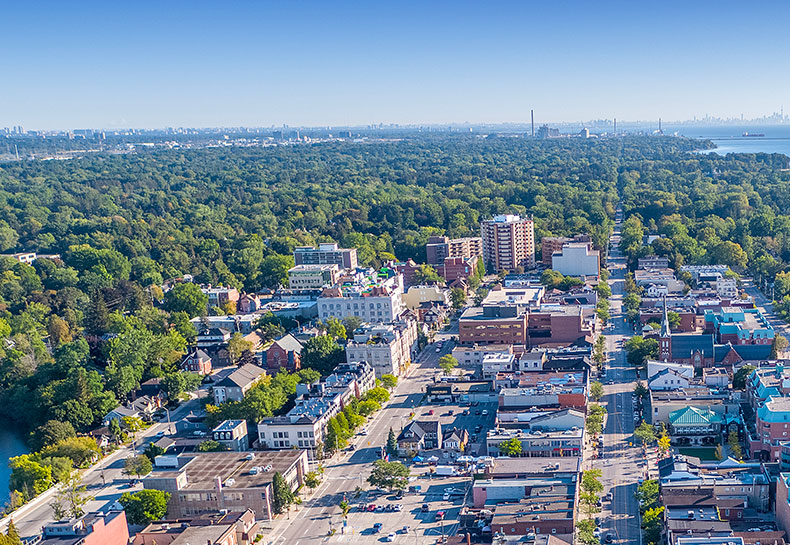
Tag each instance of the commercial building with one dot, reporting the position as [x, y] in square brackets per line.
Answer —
[388, 348]
[508, 243]
[416, 296]
[577, 259]
[772, 428]
[493, 324]
[91, 529]
[219, 295]
[374, 296]
[652, 262]
[549, 245]
[305, 425]
[659, 277]
[736, 326]
[439, 248]
[458, 268]
[213, 481]
[557, 395]
[327, 253]
[220, 528]
[312, 276]
[720, 401]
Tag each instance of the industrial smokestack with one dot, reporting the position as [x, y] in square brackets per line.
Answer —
[532, 117]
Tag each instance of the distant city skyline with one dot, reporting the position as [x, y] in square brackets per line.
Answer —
[315, 64]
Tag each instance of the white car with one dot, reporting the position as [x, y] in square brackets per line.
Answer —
[438, 350]
[446, 496]
[391, 536]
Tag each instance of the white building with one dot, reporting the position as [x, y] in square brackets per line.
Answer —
[473, 355]
[305, 425]
[313, 276]
[374, 296]
[576, 259]
[656, 366]
[497, 362]
[387, 347]
[667, 379]
[727, 288]
[416, 295]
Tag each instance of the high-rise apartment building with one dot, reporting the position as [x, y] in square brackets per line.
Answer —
[439, 247]
[508, 243]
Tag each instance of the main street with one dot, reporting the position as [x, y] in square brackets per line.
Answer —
[346, 471]
[619, 462]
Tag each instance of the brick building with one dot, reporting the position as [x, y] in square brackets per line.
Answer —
[508, 243]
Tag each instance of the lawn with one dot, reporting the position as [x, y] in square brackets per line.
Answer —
[703, 453]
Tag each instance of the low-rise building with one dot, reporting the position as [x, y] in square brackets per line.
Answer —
[312, 276]
[305, 425]
[737, 326]
[550, 245]
[702, 522]
[663, 403]
[473, 354]
[284, 353]
[661, 277]
[389, 348]
[458, 268]
[197, 362]
[538, 443]
[229, 528]
[420, 435]
[577, 259]
[219, 295]
[232, 434]
[237, 384]
[213, 481]
[373, 296]
[668, 379]
[326, 253]
[772, 428]
[416, 296]
[652, 262]
[695, 426]
[551, 389]
[91, 529]
[547, 420]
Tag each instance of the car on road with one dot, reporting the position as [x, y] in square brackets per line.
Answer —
[609, 537]
[485, 412]
[609, 496]
[597, 532]
[377, 527]
[478, 428]
[397, 508]
[404, 530]
[438, 350]
[430, 412]
[160, 434]
[446, 496]
[425, 508]
[391, 536]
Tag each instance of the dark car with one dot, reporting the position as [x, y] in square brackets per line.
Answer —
[377, 527]
[425, 508]
[609, 537]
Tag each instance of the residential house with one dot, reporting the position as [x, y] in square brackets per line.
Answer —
[668, 379]
[232, 434]
[249, 303]
[219, 295]
[454, 440]
[198, 362]
[420, 435]
[234, 386]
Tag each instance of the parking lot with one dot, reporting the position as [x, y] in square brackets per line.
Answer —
[411, 524]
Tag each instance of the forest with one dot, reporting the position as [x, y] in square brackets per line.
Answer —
[83, 330]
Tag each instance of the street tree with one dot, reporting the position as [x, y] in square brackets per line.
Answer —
[645, 433]
[448, 363]
[390, 475]
[312, 480]
[389, 381]
[511, 447]
[392, 443]
[145, 506]
[72, 496]
[739, 379]
[282, 495]
[647, 494]
[596, 390]
[586, 532]
[137, 465]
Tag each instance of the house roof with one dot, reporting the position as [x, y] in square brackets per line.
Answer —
[421, 428]
[289, 343]
[748, 352]
[199, 354]
[666, 371]
[693, 416]
[242, 376]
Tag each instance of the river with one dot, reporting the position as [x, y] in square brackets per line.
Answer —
[11, 444]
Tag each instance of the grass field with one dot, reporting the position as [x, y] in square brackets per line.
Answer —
[703, 453]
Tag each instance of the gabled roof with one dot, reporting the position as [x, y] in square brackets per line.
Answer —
[693, 416]
[683, 346]
[289, 343]
[421, 428]
[199, 354]
[664, 372]
[748, 352]
[242, 376]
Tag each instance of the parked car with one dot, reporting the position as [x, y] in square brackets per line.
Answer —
[377, 527]
[430, 412]
[391, 536]
[485, 412]
[446, 496]
[372, 507]
[397, 507]
[609, 537]
[404, 530]
[439, 515]
[425, 508]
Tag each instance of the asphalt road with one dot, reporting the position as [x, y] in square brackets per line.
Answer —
[311, 522]
[619, 462]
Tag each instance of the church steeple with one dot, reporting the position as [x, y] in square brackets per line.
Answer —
[665, 336]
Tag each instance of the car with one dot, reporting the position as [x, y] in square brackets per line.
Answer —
[609, 496]
[597, 521]
[477, 412]
[380, 508]
[609, 538]
[404, 530]
[597, 532]
[160, 434]
[430, 412]
[438, 350]
[439, 515]
[485, 412]
[391, 536]
[372, 507]
[450, 412]
[377, 527]
[478, 429]
[397, 508]
[425, 508]
[446, 496]
[465, 413]
[363, 431]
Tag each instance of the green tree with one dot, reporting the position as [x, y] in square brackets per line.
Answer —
[458, 298]
[145, 506]
[188, 298]
[603, 290]
[448, 363]
[640, 390]
[652, 523]
[335, 329]
[389, 381]
[591, 481]
[739, 379]
[390, 475]
[734, 442]
[645, 433]
[50, 433]
[640, 350]
[351, 323]
[152, 450]
[647, 494]
[29, 477]
[368, 407]
[322, 353]
[97, 317]
[238, 345]
[586, 532]
[345, 508]
[596, 390]
[209, 445]
[72, 496]
[426, 275]
[12, 535]
[778, 346]
[392, 443]
[137, 465]
[674, 319]
[282, 496]
[179, 382]
[80, 450]
[511, 447]
[377, 394]
[312, 480]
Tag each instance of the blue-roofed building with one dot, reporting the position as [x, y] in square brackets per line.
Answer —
[739, 326]
[695, 426]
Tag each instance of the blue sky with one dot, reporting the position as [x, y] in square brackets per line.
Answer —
[200, 64]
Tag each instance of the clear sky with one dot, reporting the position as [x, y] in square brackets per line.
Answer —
[223, 63]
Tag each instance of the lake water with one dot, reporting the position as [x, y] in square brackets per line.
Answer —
[11, 445]
[730, 139]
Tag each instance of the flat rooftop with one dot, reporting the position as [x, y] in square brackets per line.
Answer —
[534, 466]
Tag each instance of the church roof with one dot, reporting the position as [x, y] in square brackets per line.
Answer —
[686, 344]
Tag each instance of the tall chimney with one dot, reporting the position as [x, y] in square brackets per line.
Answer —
[532, 117]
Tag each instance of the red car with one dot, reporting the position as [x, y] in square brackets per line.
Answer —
[372, 507]
[439, 515]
